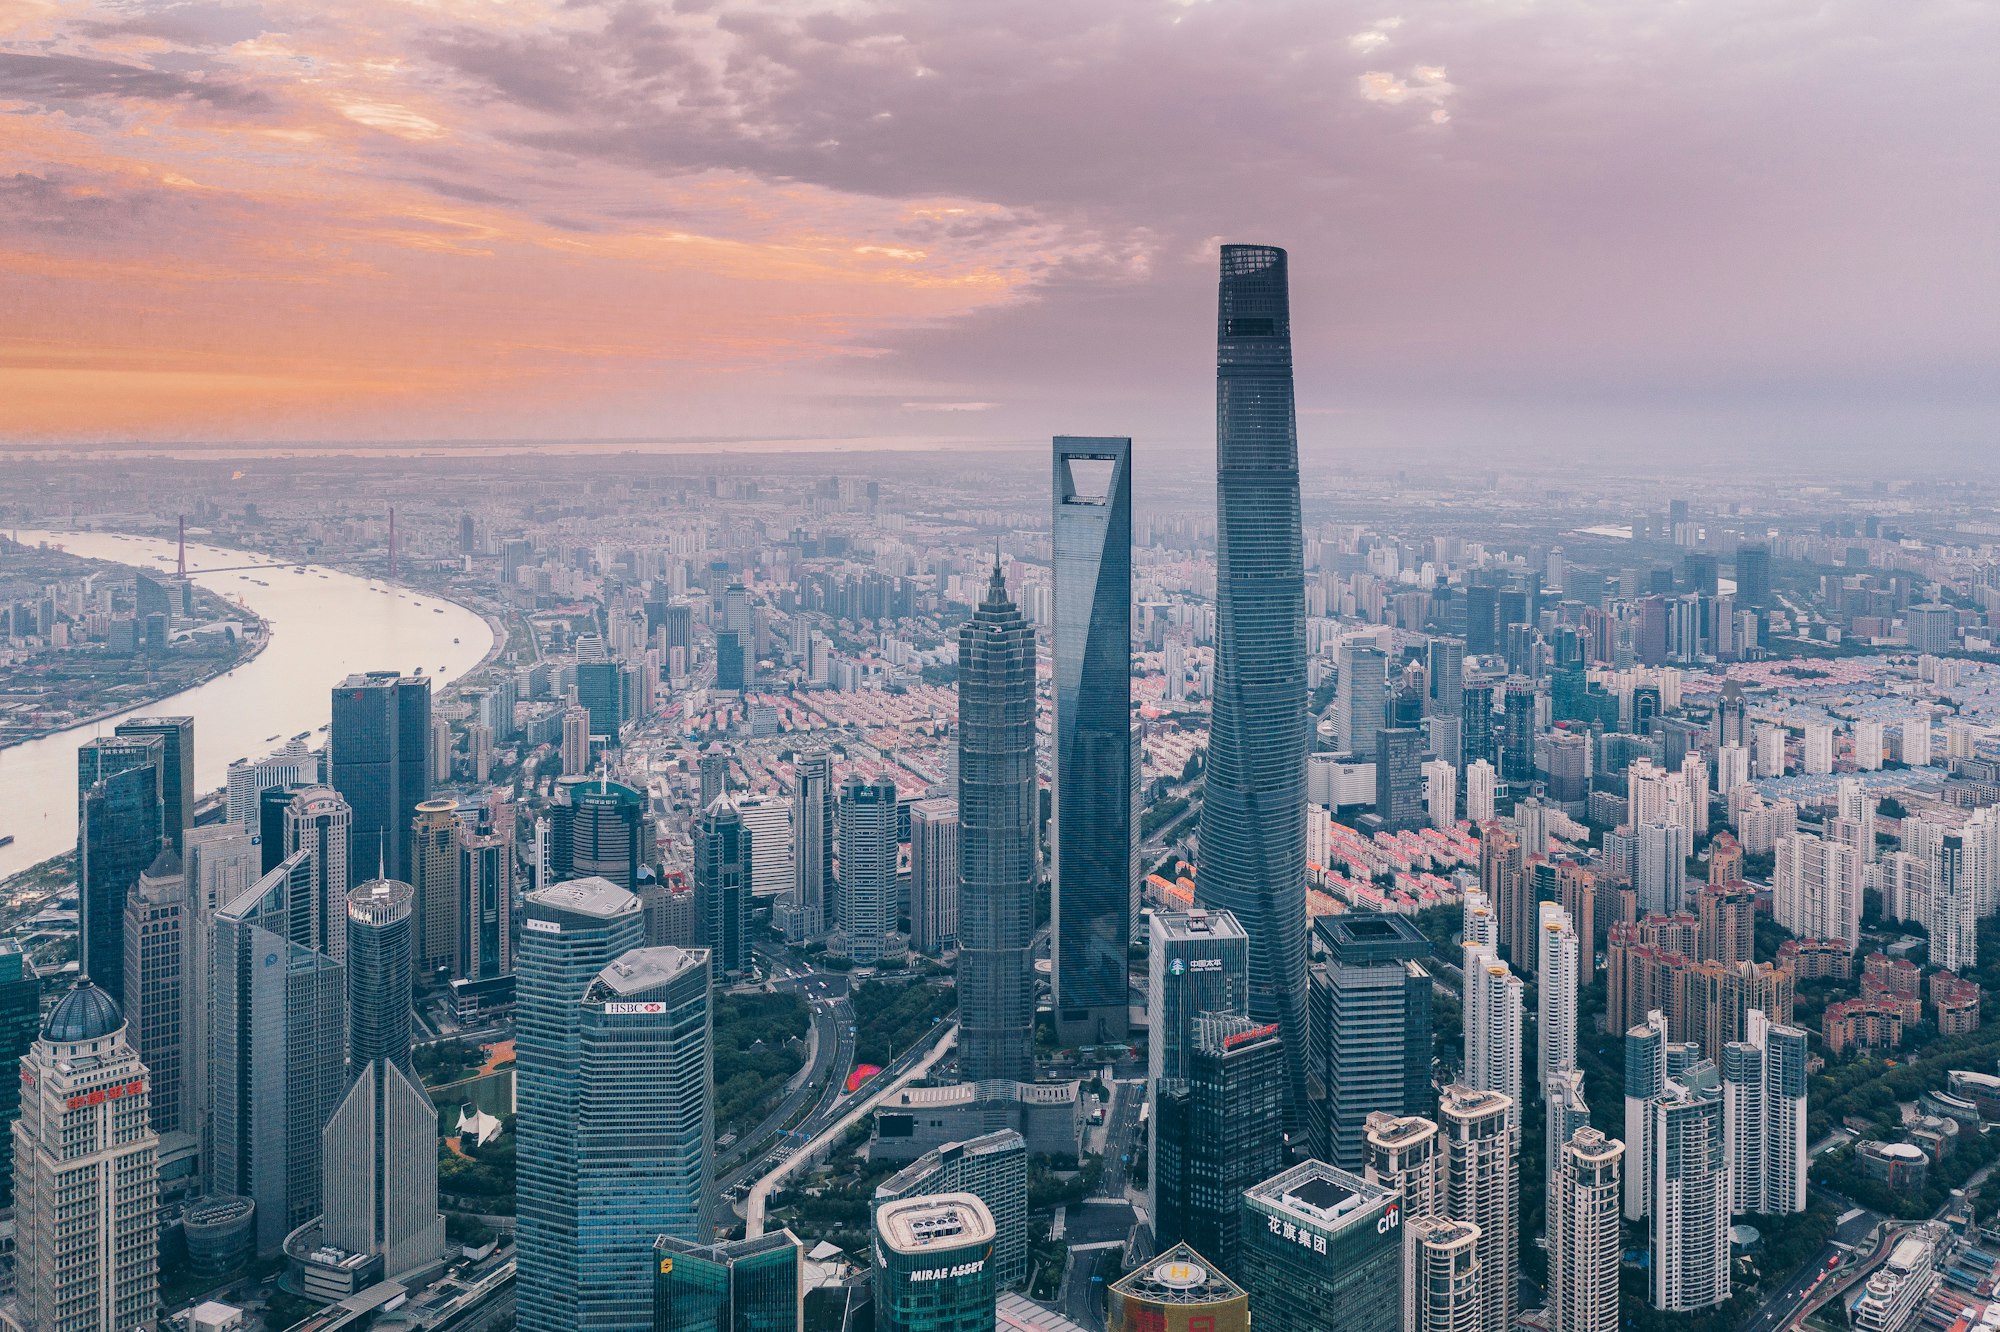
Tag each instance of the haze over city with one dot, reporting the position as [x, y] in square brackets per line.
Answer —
[1121, 666]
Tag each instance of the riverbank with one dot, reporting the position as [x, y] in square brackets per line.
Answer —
[321, 624]
[251, 645]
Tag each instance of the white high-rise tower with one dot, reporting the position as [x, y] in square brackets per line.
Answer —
[86, 1177]
[1584, 1249]
[1493, 1014]
[1555, 997]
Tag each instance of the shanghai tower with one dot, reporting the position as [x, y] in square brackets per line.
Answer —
[998, 804]
[1252, 855]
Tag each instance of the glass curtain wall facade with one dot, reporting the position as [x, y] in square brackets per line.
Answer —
[645, 1127]
[120, 820]
[569, 934]
[747, 1285]
[998, 809]
[379, 759]
[1095, 870]
[1252, 859]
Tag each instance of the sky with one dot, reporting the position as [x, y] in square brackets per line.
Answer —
[1577, 231]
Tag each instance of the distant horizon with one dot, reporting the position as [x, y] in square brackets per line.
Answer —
[1910, 463]
[1758, 233]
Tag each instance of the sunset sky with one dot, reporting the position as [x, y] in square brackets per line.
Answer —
[1755, 226]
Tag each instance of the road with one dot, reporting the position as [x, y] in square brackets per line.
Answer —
[1097, 1252]
[822, 1091]
[1091, 1271]
[828, 1123]
[1815, 1295]
[1784, 1305]
[833, 1054]
[1121, 1137]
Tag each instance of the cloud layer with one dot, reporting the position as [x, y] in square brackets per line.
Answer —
[1555, 225]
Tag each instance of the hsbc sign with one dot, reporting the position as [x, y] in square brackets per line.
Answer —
[636, 1008]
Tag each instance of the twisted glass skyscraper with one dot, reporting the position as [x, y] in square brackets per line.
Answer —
[997, 808]
[1253, 840]
[1096, 866]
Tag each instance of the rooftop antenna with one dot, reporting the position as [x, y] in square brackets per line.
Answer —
[182, 565]
[382, 854]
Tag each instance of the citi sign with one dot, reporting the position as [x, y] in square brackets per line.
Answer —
[1392, 1216]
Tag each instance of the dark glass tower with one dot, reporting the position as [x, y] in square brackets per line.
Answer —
[1221, 1131]
[600, 689]
[596, 827]
[1517, 752]
[378, 757]
[1372, 1011]
[722, 887]
[176, 771]
[1094, 871]
[381, 970]
[119, 827]
[1476, 738]
[997, 811]
[1253, 838]
[1753, 576]
[20, 1023]
[379, 1184]
[746, 1285]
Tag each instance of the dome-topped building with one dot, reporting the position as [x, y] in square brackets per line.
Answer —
[86, 1171]
[86, 1013]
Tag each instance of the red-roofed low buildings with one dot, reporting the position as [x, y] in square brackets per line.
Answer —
[1817, 959]
[1956, 1002]
[1862, 1024]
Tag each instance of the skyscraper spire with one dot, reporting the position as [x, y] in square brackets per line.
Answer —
[1252, 857]
[998, 806]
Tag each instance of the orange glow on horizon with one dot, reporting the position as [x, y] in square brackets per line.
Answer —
[287, 260]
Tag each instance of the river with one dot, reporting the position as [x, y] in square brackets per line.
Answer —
[324, 624]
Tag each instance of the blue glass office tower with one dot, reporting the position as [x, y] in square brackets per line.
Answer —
[746, 1285]
[722, 885]
[177, 791]
[20, 1023]
[997, 811]
[645, 1128]
[1253, 838]
[569, 934]
[379, 1186]
[378, 756]
[600, 689]
[596, 828]
[277, 1050]
[1096, 857]
[381, 971]
[1371, 1027]
[120, 821]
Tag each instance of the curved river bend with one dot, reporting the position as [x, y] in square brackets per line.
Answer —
[324, 625]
